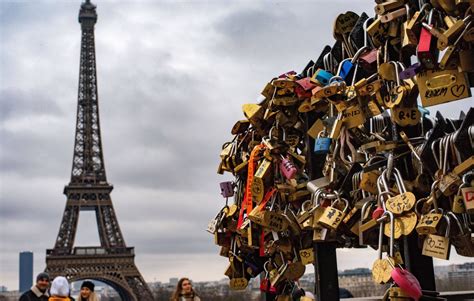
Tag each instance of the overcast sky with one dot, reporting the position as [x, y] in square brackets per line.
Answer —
[172, 77]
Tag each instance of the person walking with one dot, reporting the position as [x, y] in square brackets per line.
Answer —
[184, 291]
[39, 291]
[87, 292]
[59, 290]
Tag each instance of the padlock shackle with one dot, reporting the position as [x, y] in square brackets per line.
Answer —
[381, 220]
[434, 186]
[381, 227]
[305, 204]
[399, 180]
[315, 196]
[336, 78]
[276, 126]
[448, 225]
[397, 75]
[359, 53]
[328, 62]
[364, 208]
[458, 222]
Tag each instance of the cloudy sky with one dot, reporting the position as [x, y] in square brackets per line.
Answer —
[172, 76]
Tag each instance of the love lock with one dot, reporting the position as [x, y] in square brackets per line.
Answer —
[332, 217]
[438, 246]
[382, 268]
[407, 282]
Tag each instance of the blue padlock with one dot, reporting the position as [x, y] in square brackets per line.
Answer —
[423, 111]
[323, 76]
[322, 144]
[346, 68]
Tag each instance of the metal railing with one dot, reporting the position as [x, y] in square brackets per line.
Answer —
[92, 251]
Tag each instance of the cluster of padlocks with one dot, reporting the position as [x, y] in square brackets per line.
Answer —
[343, 151]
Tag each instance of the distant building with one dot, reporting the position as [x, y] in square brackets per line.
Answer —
[173, 281]
[26, 271]
[359, 283]
[3, 289]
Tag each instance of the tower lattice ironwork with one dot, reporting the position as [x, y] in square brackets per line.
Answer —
[112, 262]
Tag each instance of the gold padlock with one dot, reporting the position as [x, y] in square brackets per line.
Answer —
[377, 31]
[396, 293]
[305, 218]
[307, 256]
[442, 86]
[436, 245]
[428, 223]
[238, 284]
[402, 202]
[353, 117]
[368, 181]
[252, 112]
[387, 6]
[382, 268]
[449, 183]
[332, 217]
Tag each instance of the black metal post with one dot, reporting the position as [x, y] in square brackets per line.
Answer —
[326, 283]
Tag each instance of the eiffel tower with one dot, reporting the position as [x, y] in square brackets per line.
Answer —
[112, 262]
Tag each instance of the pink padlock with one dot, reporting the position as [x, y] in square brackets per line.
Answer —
[227, 189]
[287, 168]
[407, 282]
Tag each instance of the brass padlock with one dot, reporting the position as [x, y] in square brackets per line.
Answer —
[305, 218]
[295, 270]
[238, 284]
[352, 117]
[377, 30]
[368, 181]
[402, 202]
[261, 177]
[397, 294]
[442, 86]
[449, 183]
[307, 256]
[428, 223]
[277, 275]
[332, 217]
[253, 112]
[382, 268]
[438, 246]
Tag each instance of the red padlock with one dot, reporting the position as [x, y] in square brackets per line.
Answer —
[377, 213]
[427, 51]
[265, 284]
[368, 60]
[287, 74]
[303, 88]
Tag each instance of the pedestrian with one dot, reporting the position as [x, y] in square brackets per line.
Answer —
[59, 290]
[87, 292]
[184, 291]
[39, 291]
